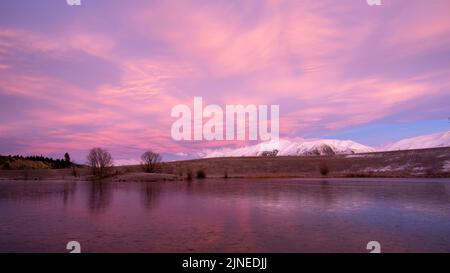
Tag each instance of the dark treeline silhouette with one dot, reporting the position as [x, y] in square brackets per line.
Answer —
[54, 163]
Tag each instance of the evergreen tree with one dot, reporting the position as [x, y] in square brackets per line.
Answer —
[67, 160]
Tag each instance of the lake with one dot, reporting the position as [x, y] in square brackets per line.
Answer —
[233, 215]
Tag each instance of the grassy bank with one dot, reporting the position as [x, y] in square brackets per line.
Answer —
[412, 163]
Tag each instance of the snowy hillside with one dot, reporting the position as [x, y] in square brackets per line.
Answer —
[435, 140]
[296, 146]
[299, 146]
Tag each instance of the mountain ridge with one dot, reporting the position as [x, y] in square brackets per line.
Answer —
[299, 147]
[434, 140]
[311, 147]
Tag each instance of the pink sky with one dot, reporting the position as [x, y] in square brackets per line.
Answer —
[108, 72]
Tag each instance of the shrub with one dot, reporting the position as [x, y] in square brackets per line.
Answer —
[323, 169]
[429, 172]
[189, 175]
[7, 166]
[201, 174]
[74, 171]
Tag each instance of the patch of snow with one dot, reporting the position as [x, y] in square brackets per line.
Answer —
[387, 168]
[446, 166]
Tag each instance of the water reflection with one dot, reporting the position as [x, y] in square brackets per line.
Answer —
[149, 194]
[337, 195]
[275, 215]
[25, 190]
[100, 196]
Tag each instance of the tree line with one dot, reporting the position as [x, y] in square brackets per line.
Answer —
[54, 163]
[98, 159]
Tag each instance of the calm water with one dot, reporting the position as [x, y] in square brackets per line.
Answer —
[277, 215]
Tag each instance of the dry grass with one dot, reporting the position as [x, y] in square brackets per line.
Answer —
[412, 163]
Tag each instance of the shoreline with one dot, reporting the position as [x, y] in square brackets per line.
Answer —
[166, 177]
[423, 163]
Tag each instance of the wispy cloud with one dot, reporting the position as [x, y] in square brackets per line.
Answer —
[84, 82]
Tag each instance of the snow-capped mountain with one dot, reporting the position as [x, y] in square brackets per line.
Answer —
[296, 146]
[302, 147]
[441, 139]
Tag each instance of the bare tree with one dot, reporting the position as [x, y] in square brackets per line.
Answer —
[150, 161]
[99, 160]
